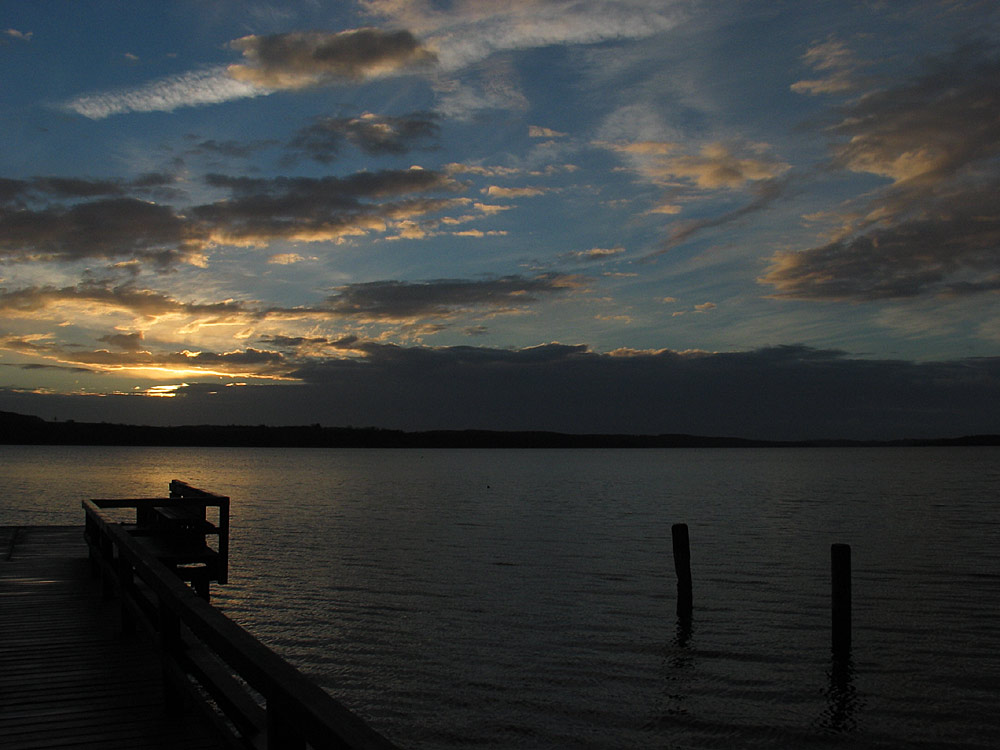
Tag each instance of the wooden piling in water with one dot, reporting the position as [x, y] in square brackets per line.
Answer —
[682, 564]
[840, 566]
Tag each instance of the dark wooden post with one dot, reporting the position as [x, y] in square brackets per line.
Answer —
[126, 580]
[170, 647]
[280, 729]
[840, 565]
[682, 564]
[107, 548]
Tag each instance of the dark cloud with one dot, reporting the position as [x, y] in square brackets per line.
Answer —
[781, 392]
[311, 209]
[300, 59]
[116, 226]
[373, 134]
[231, 149]
[38, 191]
[249, 357]
[401, 300]
[103, 296]
[71, 187]
[243, 362]
[340, 190]
[367, 302]
[932, 128]
[130, 342]
[935, 229]
[790, 392]
[296, 342]
[914, 257]
[105, 228]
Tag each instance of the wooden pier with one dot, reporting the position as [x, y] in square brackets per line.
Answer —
[104, 644]
[67, 676]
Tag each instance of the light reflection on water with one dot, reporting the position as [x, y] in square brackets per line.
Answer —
[525, 598]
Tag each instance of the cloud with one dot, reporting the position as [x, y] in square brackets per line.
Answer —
[463, 33]
[445, 298]
[105, 228]
[22, 36]
[285, 259]
[495, 191]
[38, 190]
[930, 129]
[954, 250]
[103, 296]
[596, 253]
[765, 193]
[934, 229]
[131, 354]
[300, 59]
[537, 131]
[211, 86]
[834, 58]
[376, 303]
[715, 166]
[305, 209]
[130, 342]
[371, 133]
[258, 211]
[234, 149]
[785, 392]
[768, 392]
[279, 61]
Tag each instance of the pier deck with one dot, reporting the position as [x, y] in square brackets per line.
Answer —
[68, 678]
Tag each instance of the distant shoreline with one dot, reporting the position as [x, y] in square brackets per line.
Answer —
[22, 429]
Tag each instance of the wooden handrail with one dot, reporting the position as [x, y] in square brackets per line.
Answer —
[296, 710]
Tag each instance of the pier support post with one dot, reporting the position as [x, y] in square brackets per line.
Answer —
[682, 564]
[840, 566]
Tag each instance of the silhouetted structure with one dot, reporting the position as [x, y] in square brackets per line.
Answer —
[209, 662]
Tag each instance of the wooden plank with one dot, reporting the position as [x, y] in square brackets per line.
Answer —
[67, 677]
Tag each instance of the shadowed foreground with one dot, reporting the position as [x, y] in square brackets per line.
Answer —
[67, 676]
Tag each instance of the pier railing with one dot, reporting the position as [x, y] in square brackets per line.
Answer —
[255, 697]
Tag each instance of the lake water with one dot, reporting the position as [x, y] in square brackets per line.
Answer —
[526, 599]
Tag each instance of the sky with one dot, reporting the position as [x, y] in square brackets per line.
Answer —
[771, 220]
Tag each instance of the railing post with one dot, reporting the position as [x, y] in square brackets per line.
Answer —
[107, 547]
[224, 540]
[170, 646]
[281, 734]
[126, 581]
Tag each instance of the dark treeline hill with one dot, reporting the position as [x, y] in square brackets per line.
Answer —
[30, 430]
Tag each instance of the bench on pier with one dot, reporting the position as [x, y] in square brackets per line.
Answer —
[176, 531]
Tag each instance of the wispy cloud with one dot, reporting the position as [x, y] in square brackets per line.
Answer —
[211, 86]
[462, 33]
[22, 36]
[275, 62]
[836, 61]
